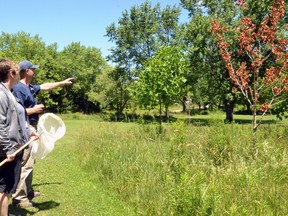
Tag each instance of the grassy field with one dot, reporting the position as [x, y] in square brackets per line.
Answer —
[105, 168]
[66, 189]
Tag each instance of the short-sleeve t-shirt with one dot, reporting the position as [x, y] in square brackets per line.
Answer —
[27, 96]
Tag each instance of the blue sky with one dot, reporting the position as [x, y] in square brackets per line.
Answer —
[66, 21]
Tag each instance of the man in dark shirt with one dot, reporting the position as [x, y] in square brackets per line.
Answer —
[26, 93]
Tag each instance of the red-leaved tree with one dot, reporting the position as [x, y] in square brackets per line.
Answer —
[262, 77]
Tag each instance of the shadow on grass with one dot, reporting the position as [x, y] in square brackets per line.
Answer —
[47, 183]
[207, 122]
[14, 210]
[247, 121]
[148, 119]
[39, 206]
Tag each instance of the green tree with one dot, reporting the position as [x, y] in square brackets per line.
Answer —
[140, 33]
[110, 91]
[162, 80]
[21, 46]
[206, 68]
[80, 62]
[52, 70]
[203, 77]
[84, 64]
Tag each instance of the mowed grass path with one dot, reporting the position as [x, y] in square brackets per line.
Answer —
[65, 188]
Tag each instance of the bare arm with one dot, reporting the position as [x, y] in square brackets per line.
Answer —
[36, 109]
[54, 85]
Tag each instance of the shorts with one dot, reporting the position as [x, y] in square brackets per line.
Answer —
[10, 174]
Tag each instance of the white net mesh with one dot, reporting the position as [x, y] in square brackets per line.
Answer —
[51, 128]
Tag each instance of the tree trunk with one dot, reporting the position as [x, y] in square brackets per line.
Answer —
[86, 107]
[248, 108]
[254, 135]
[255, 126]
[184, 104]
[167, 114]
[229, 108]
[160, 121]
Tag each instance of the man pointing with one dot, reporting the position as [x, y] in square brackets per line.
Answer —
[26, 93]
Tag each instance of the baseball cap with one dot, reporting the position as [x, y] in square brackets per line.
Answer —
[24, 65]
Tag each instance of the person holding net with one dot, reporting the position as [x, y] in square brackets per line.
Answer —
[13, 133]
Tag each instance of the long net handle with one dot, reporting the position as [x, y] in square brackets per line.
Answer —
[18, 150]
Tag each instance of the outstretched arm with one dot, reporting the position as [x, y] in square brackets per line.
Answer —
[54, 85]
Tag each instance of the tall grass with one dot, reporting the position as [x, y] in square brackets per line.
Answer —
[189, 170]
